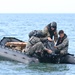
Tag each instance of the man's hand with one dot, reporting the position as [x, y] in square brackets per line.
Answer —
[55, 47]
[50, 39]
[49, 51]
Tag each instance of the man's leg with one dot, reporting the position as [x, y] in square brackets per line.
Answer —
[62, 52]
[38, 47]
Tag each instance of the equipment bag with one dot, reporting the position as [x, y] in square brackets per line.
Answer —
[36, 33]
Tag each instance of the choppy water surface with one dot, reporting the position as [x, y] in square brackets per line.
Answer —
[19, 25]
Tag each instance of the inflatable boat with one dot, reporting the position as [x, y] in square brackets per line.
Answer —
[13, 54]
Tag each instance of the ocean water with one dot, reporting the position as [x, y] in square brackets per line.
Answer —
[19, 25]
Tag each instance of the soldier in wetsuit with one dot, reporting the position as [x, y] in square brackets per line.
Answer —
[35, 45]
[62, 43]
[51, 30]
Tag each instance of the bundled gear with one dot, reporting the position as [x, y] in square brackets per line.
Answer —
[36, 33]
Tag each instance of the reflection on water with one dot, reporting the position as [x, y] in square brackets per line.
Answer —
[48, 67]
[42, 68]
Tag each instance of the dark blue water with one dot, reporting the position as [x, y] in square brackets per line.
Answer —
[19, 25]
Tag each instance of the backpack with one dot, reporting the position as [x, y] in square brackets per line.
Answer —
[36, 33]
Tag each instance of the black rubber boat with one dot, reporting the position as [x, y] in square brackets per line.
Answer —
[11, 54]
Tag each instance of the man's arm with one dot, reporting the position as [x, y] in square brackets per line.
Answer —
[63, 44]
[44, 39]
[55, 36]
[46, 32]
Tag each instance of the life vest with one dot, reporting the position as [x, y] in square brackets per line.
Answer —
[60, 40]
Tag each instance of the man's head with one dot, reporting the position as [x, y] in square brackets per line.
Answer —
[61, 33]
[53, 26]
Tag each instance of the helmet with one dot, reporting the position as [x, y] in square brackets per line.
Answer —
[54, 25]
